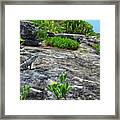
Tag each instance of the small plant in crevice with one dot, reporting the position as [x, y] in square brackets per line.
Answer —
[60, 89]
[24, 92]
[97, 48]
[22, 41]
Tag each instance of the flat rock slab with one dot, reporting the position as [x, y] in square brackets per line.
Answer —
[77, 37]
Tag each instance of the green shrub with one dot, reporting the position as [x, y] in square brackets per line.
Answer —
[60, 89]
[46, 26]
[97, 35]
[42, 35]
[79, 27]
[24, 92]
[66, 26]
[97, 48]
[49, 25]
[63, 43]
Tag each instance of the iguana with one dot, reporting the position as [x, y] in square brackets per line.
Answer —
[27, 63]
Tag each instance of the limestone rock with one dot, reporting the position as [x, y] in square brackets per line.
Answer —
[28, 32]
[76, 37]
[82, 68]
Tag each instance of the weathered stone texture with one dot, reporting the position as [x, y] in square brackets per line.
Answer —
[82, 67]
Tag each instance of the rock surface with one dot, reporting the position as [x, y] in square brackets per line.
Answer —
[78, 37]
[28, 32]
[82, 67]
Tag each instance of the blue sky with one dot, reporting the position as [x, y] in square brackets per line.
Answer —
[95, 24]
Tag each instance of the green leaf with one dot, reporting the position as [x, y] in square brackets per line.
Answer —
[50, 88]
[60, 89]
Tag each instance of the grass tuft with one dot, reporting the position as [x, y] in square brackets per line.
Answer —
[63, 43]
